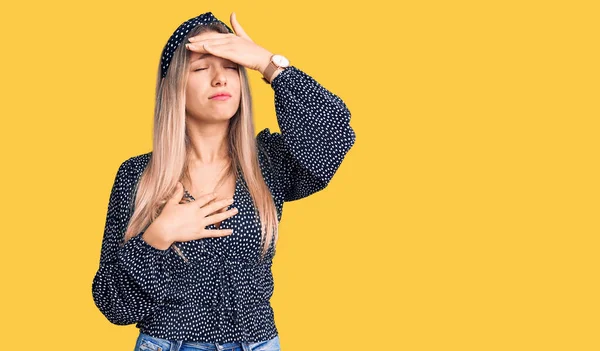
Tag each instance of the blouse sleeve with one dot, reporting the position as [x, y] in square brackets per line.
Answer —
[131, 280]
[315, 134]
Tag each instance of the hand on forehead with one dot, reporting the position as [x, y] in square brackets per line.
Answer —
[209, 35]
[236, 47]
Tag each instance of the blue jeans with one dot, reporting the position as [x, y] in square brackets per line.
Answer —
[149, 343]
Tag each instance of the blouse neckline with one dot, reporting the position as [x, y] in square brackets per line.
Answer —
[235, 201]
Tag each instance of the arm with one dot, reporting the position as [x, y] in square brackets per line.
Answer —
[315, 134]
[131, 280]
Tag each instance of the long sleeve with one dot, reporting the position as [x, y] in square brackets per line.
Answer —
[315, 134]
[131, 280]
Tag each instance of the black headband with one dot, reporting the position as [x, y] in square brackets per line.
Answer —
[181, 31]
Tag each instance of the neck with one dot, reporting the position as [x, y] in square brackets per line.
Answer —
[209, 144]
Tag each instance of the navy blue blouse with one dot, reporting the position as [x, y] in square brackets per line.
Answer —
[221, 291]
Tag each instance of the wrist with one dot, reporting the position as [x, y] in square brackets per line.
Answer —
[273, 67]
[264, 62]
[154, 236]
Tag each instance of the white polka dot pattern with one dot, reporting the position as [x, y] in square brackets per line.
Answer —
[222, 293]
[315, 134]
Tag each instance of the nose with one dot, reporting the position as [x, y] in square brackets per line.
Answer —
[220, 78]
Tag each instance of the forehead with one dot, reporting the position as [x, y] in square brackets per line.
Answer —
[200, 57]
[195, 56]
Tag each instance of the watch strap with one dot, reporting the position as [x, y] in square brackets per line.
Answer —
[268, 81]
[270, 70]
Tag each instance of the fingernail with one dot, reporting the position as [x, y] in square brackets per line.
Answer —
[190, 46]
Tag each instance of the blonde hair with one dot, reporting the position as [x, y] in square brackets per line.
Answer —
[171, 147]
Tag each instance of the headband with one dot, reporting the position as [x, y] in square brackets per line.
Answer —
[181, 31]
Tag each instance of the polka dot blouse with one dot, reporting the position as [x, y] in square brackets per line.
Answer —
[221, 291]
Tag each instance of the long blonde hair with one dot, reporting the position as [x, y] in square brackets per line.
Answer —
[171, 147]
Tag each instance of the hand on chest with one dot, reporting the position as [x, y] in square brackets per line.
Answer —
[224, 188]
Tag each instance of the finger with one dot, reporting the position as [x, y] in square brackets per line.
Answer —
[221, 216]
[185, 200]
[221, 210]
[213, 49]
[225, 51]
[197, 48]
[210, 35]
[205, 199]
[212, 41]
[213, 207]
[237, 27]
[219, 232]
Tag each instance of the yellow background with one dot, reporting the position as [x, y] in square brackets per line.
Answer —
[464, 218]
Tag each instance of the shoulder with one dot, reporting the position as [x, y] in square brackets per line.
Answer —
[140, 160]
[136, 164]
[131, 169]
[128, 176]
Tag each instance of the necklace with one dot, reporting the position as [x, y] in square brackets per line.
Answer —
[189, 196]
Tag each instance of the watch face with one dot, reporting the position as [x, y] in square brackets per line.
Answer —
[281, 61]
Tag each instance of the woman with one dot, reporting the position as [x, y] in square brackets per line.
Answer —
[191, 227]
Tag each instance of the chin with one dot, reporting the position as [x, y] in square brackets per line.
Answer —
[226, 117]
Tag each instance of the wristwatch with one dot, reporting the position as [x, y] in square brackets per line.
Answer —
[277, 62]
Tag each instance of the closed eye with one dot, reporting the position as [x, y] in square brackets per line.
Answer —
[202, 69]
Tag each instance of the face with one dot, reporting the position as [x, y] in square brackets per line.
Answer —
[210, 75]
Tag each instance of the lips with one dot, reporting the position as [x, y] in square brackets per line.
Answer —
[220, 96]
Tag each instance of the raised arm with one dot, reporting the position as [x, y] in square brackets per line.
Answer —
[315, 134]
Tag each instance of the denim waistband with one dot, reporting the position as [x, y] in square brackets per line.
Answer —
[147, 342]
